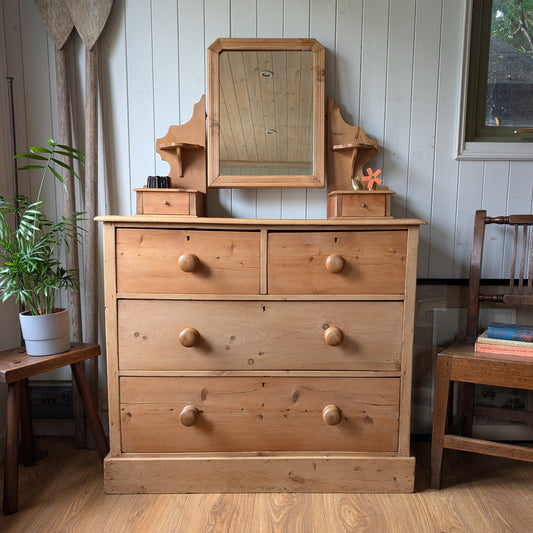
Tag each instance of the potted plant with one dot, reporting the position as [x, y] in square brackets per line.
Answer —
[30, 254]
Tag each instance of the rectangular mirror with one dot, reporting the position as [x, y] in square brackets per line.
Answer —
[266, 113]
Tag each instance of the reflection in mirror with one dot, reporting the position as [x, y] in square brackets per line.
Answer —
[266, 113]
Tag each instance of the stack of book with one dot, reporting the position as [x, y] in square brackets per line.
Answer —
[510, 341]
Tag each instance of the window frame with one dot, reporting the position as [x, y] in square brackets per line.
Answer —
[479, 149]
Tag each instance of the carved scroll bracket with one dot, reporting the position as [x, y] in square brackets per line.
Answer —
[184, 149]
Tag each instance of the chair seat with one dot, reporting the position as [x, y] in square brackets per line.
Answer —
[462, 363]
[467, 365]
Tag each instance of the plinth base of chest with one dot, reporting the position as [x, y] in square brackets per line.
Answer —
[221, 473]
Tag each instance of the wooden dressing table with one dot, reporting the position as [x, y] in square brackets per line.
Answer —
[261, 355]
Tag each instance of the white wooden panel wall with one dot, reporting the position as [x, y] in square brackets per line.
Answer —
[394, 67]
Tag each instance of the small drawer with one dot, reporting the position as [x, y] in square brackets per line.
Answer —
[170, 202]
[359, 204]
[176, 261]
[337, 262]
[259, 335]
[268, 414]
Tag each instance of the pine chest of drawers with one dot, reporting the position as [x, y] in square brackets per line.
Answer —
[259, 355]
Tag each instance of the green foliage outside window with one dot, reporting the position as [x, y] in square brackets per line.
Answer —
[512, 22]
[500, 88]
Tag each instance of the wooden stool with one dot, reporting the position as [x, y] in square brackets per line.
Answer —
[16, 366]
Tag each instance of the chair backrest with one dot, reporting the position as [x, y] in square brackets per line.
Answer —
[520, 279]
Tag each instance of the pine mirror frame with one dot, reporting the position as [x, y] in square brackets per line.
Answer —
[217, 180]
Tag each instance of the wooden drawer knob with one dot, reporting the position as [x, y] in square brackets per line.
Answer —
[188, 262]
[189, 414]
[333, 336]
[332, 415]
[189, 337]
[334, 263]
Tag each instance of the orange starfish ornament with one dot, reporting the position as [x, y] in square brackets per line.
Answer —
[372, 177]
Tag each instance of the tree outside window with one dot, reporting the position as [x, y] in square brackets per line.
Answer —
[500, 92]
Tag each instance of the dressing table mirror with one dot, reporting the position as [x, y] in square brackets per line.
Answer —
[266, 113]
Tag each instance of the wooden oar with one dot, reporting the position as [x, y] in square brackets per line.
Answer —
[59, 25]
[89, 17]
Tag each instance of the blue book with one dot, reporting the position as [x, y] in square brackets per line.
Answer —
[511, 332]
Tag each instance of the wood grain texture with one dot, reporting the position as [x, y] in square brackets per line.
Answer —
[148, 258]
[10, 499]
[259, 223]
[413, 235]
[183, 148]
[64, 492]
[170, 202]
[111, 338]
[461, 363]
[348, 150]
[248, 335]
[213, 367]
[311, 472]
[89, 17]
[359, 204]
[57, 20]
[374, 262]
[259, 413]
[16, 364]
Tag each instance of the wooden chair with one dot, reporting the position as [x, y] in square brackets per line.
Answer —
[460, 363]
[16, 366]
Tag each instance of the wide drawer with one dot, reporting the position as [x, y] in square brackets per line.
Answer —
[258, 335]
[337, 262]
[201, 414]
[187, 261]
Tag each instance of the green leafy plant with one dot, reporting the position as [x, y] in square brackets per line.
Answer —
[30, 266]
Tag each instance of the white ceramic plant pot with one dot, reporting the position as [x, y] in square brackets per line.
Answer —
[46, 334]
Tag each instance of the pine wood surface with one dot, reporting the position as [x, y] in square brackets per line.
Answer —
[217, 119]
[359, 204]
[374, 262]
[413, 235]
[277, 472]
[259, 413]
[183, 148]
[64, 493]
[333, 259]
[348, 150]
[169, 202]
[16, 364]
[241, 336]
[251, 223]
[148, 260]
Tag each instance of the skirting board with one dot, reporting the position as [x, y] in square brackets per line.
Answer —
[138, 474]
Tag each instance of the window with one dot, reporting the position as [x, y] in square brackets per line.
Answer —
[500, 75]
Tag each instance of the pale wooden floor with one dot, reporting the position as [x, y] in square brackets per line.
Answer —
[64, 493]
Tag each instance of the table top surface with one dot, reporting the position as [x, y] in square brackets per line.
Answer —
[246, 223]
[16, 364]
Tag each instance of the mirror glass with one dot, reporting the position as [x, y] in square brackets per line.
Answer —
[266, 113]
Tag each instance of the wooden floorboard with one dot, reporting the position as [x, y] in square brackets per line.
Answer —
[64, 493]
